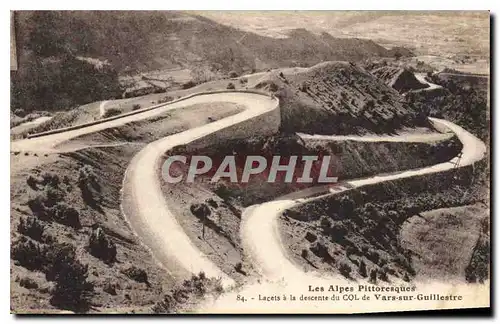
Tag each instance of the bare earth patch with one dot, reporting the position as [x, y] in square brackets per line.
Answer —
[443, 241]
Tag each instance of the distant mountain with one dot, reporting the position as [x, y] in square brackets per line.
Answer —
[135, 42]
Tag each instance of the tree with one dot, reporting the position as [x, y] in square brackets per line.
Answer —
[373, 276]
[101, 247]
[362, 269]
[31, 227]
[304, 253]
[345, 269]
[72, 291]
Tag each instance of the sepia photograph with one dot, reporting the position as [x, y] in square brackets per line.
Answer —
[249, 162]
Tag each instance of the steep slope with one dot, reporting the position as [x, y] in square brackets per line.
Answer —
[398, 78]
[338, 98]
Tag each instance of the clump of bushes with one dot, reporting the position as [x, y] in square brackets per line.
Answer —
[88, 184]
[233, 74]
[72, 290]
[200, 210]
[50, 179]
[345, 269]
[110, 288]
[166, 99]
[66, 215]
[52, 196]
[362, 269]
[27, 283]
[369, 104]
[32, 227]
[136, 274]
[190, 290]
[28, 253]
[136, 107]
[223, 191]
[32, 182]
[212, 203]
[373, 276]
[101, 247]
[111, 112]
[239, 267]
[188, 85]
[230, 86]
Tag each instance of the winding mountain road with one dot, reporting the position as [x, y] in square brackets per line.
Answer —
[145, 208]
[259, 231]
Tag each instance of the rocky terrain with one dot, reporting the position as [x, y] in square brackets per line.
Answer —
[96, 229]
[66, 208]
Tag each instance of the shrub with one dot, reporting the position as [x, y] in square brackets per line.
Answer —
[136, 274]
[71, 290]
[346, 206]
[369, 104]
[325, 222]
[101, 247]
[52, 195]
[32, 182]
[111, 112]
[66, 215]
[321, 251]
[223, 191]
[304, 253]
[212, 203]
[338, 231]
[373, 256]
[362, 269]
[345, 269]
[28, 253]
[406, 277]
[273, 87]
[50, 179]
[87, 182]
[166, 99]
[19, 112]
[243, 80]
[196, 287]
[373, 276]
[200, 210]
[188, 85]
[30, 226]
[238, 267]
[383, 275]
[37, 206]
[28, 283]
[230, 86]
[233, 74]
[110, 288]
[136, 107]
